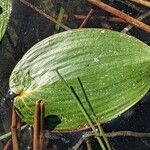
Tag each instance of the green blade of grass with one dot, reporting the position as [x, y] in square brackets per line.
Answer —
[101, 131]
[77, 99]
[59, 19]
[7, 135]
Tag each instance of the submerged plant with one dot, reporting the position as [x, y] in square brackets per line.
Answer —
[4, 16]
[113, 67]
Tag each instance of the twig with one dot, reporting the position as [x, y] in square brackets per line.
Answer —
[129, 27]
[128, 133]
[87, 18]
[36, 126]
[122, 15]
[42, 109]
[44, 14]
[88, 144]
[8, 145]
[38, 135]
[142, 2]
[112, 135]
[103, 18]
[14, 129]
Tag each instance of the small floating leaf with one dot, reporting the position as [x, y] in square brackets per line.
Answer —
[4, 16]
[113, 67]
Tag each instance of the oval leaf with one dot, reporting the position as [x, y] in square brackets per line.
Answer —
[4, 16]
[113, 68]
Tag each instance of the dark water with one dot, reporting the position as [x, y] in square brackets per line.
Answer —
[26, 28]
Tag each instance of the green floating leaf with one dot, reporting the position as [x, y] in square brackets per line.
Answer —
[4, 16]
[113, 67]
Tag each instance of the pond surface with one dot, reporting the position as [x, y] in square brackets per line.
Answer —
[27, 27]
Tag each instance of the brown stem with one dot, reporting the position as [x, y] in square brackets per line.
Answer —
[87, 18]
[38, 133]
[14, 129]
[122, 15]
[103, 18]
[128, 133]
[36, 128]
[8, 145]
[141, 17]
[142, 2]
[88, 144]
[42, 109]
[44, 14]
[112, 135]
